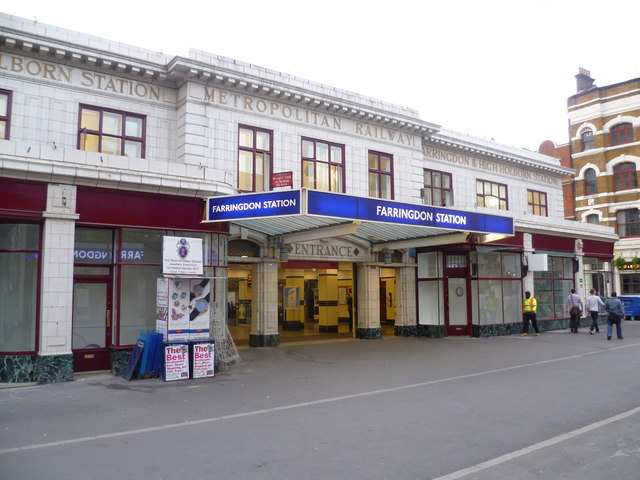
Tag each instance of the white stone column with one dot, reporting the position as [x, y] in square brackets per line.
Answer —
[56, 298]
[264, 319]
[368, 302]
[406, 310]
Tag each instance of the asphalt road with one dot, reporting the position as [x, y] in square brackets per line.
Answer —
[557, 406]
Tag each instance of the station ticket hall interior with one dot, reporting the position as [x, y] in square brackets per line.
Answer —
[316, 300]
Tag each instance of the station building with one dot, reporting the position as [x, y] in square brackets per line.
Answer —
[604, 125]
[323, 213]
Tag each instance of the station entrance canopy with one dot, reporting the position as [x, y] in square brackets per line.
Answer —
[322, 214]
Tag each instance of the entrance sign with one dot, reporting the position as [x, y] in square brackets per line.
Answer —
[254, 205]
[337, 205]
[376, 210]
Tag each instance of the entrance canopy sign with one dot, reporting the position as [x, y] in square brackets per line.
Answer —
[364, 209]
[377, 210]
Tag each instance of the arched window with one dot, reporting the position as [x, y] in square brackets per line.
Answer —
[590, 182]
[593, 219]
[587, 140]
[622, 133]
[624, 176]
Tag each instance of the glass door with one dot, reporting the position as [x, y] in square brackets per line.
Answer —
[92, 312]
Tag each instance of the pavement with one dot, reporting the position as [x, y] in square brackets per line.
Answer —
[557, 406]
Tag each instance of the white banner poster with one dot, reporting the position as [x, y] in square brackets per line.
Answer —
[182, 256]
[176, 362]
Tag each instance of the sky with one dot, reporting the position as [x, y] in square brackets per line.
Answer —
[494, 69]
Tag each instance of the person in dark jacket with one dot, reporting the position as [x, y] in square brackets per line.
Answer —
[574, 306]
[615, 309]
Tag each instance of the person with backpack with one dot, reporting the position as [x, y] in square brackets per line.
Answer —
[615, 309]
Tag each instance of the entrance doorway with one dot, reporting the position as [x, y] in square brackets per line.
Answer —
[387, 300]
[92, 317]
[456, 295]
[316, 300]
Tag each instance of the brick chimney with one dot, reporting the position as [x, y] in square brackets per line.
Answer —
[584, 80]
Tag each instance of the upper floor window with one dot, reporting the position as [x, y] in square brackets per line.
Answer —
[5, 114]
[621, 133]
[624, 176]
[590, 182]
[255, 149]
[629, 223]
[537, 203]
[491, 195]
[380, 175]
[587, 140]
[111, 131]
[593, 219]
[322, 165]
[437, 189]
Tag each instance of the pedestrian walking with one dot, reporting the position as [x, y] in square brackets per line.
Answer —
[615, 309]
[575, 306]
[593, 305]
[529, 310]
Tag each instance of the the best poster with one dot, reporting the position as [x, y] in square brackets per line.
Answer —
[176, 362]
[203, 360]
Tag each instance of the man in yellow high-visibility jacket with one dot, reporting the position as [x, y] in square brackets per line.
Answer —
[529, 310]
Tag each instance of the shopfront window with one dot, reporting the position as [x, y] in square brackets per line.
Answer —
[553, 286]
[597, 275]
[19, 256]
[497, 288]
[630, 284]
[140, 265]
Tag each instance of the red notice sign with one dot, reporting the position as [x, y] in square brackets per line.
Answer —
[282, 179]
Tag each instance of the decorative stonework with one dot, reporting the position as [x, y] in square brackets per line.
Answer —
[369, 333]
[264, 340]
[17, 368]
[54, 368]
[118, 360]
[405, 331]
[432, 331]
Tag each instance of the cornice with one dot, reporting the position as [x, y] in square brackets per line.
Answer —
[494, 151]
[175, 71]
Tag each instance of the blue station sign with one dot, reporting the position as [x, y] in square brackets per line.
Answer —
[376, 210]
[316, 203]
[254, 205]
